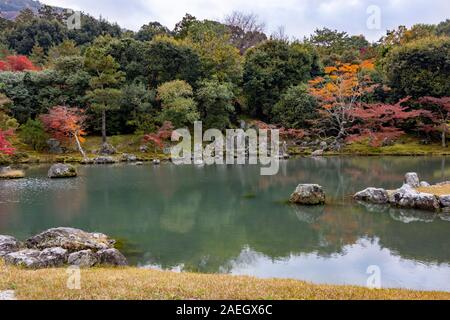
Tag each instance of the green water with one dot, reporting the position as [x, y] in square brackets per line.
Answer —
[229, 219]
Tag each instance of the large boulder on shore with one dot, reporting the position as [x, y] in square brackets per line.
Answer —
[9, 244]
[70, 239]
[308, 194]
[61, 170]
[111, 257]
[31, 258]
[412, 179]
[372, 195]
[127, 157]
[83, 258]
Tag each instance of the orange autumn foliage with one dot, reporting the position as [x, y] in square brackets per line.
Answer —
[64, 123]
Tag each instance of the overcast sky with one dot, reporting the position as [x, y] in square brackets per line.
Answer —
[300, 17]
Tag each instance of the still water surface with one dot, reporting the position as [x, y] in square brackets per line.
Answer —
[229, 219]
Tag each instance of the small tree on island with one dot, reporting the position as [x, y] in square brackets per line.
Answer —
[65, 123]
[157, 139]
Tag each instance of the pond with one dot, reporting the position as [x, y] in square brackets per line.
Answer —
[229, 219]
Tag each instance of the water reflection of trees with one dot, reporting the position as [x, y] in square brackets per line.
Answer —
[199, 217]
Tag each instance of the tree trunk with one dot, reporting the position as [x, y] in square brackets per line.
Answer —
[79, 146]
[104, 126]
[444, 136]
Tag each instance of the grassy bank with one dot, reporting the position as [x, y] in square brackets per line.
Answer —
[133, 283]
[407, 146]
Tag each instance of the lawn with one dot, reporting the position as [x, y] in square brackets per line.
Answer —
[134, 283]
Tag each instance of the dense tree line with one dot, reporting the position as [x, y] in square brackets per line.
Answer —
[221, 72]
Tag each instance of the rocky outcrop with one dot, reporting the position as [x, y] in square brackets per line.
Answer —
[70, 239]
[61, 246]
[111, 257]
[9, 244]
[308, 194]
[83, 258]
[412, 179]
[372, 195]
[61, 170]
[407, 197]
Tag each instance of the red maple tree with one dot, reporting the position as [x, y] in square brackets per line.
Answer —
[438, 113]
[163, 134]
[381, 123]
[65, 123]
[17, 64]
[5, 145]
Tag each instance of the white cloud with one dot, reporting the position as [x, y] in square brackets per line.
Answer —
[300, 17]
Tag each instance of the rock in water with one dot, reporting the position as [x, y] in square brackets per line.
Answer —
[70, 239]
[407, 197]
[112, 257]
[412, 179]
[372, 195]
[84, 258]
[9, 244]
[444, 200]
[308, 194]
[61, 170]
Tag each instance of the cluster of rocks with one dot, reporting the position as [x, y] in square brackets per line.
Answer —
[308, 194]
[406, 197]
[61, 246]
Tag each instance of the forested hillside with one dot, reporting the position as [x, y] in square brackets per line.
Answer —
[330, 86]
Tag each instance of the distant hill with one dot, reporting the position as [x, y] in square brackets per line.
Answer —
[10, 9]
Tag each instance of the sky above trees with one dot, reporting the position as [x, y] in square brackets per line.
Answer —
[300, 17]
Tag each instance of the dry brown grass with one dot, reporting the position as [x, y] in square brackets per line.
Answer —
[133, 283]
[436, 190]
[12, 174]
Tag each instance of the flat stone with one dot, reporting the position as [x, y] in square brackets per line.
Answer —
[70, 239]
[372, 195]
[104, 160]
[317, 153]
[128, 158]
[7, 295]
[308, 194]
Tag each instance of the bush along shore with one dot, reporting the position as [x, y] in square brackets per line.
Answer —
[414, 194]
[35, 269]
